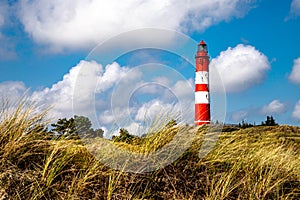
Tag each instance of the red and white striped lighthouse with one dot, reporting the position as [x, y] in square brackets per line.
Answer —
[202, 102]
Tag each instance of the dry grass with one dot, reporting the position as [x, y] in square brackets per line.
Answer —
[252, 163]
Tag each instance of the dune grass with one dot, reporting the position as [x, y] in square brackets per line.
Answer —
[252, 163]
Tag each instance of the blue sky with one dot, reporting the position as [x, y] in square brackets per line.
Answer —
[253, 44]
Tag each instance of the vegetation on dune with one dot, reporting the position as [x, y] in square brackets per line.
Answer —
[260, 162]
[75, 126]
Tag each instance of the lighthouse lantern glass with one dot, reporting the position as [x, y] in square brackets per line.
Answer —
[202, 47]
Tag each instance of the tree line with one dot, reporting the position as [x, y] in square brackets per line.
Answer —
[80, 126]
[75, 126]
[270, 121]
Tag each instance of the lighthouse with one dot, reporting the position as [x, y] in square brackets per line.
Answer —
[202, 102]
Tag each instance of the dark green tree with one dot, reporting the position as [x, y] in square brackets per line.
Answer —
[123, 137]
[77, 125]
[82, 124]
[63, 126]
[97, 133]
[269, 122]
[245, 124]
[272, 121]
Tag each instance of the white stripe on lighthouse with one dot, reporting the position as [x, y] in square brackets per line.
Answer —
[201, 77]
[201, 121]
[201, 97]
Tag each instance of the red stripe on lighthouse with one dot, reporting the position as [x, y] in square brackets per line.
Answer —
[202, 101]
[201, 87]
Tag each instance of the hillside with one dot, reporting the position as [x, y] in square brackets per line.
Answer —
[253, 163]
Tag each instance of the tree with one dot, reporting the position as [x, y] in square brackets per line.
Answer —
[97, 133]
[77, 125]
[64, 126]
[245, 124]
[269, 122]
[272, 121]
[82, 124]
[123, 137]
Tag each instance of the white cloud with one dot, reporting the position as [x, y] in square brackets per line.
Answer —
[295, 75]
[106, 117]
[88, 89]
[152, 109]
[239, 115]
[80, 90]
[240, 68]
[113, 73]
[61, 94]
[274, 107]
[11, 94]
[152, 89]
[296, 112]
[77, 24]
[135, 128]
[162, 80]
[141, 102]
[182, 88]
[295, 9]
[156, 113]
[12, 90]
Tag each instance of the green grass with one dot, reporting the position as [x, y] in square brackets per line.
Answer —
[252, 163]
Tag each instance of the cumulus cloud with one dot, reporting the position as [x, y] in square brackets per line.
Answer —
[180, 88]
[239, 115]
[12, 90]
[106, 117]
[295, 9]
[61, 94]
[90, 89]
[152, 109]
[162, 80]
[240, 68]
[77, 23]
[274, 107]
[295, 75]
[75, 93]
[11, 94]
[113, 73]
[296, 112]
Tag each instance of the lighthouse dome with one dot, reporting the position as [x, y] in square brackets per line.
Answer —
[202, 46]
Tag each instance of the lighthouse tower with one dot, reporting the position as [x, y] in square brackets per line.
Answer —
[202, 102]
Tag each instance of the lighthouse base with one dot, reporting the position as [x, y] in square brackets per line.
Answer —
[202, 114]
[201, 122]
